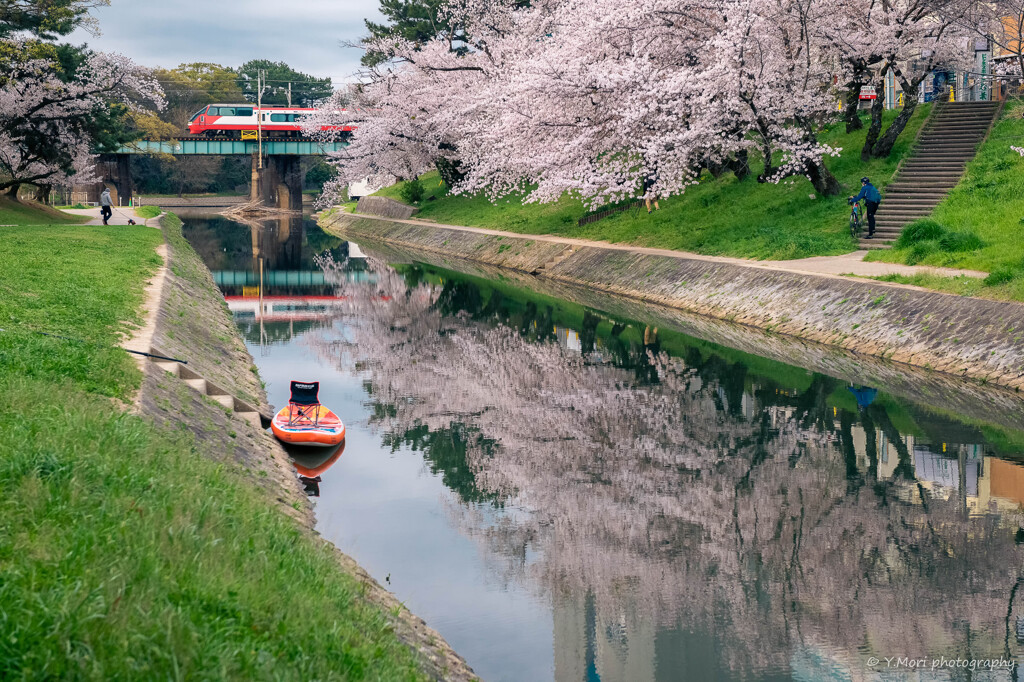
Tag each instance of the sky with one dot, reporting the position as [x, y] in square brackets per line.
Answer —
[307, 34]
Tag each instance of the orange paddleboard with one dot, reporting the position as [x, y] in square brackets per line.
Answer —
[325, 430]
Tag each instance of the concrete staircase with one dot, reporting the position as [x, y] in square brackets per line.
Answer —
[241, 408]
[949, 140]
[569, 250]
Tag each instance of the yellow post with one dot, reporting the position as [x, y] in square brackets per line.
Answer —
[952, 94]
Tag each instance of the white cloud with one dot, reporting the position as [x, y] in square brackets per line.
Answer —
[307, 34]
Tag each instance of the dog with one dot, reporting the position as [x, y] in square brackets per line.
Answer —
[131, 222]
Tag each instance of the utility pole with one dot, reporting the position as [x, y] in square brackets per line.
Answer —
[289, 93]
[259, 114]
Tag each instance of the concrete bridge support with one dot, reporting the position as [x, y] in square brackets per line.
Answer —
[279, 182]
[115, 173]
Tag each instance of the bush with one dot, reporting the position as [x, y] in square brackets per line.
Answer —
[956, 242]
[918, 231]
[921, 250]
[1001, 275]
[412, 191]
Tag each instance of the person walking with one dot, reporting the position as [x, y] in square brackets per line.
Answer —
[105, 205]
[872, 198]
[648, 184]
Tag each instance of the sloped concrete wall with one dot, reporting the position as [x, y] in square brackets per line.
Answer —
[384, 207]
[957, 335]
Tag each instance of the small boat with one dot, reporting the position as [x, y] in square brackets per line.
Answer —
[305, 421]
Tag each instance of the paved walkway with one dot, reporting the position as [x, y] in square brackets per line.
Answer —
[120, 217]
[847, 264]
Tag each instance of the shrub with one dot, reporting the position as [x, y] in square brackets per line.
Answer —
[918, 231]
[1001, 275]
[956, 242]
[412, 191]
[921, 250]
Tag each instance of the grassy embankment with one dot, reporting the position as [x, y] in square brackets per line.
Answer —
[20, 213]
[125, 553]
[988, 204]
[717, 217]
[148, 211]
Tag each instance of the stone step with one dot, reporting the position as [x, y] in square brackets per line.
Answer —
[198, 384]
[930, 173]
[169, 367]
[251, 417]
[938, 165]
[225, 400]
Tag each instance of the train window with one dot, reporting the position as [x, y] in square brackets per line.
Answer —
[213, 111]
[198, 114]
[278, 118]
[243, 112]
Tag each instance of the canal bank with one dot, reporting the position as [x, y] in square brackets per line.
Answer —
[955, 335]
[193, 322]
[561, 480]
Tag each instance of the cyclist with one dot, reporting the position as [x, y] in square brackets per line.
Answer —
[872, 198]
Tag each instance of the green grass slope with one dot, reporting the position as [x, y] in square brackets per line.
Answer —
[125, 552]
[717, 217]
[989, 203]
[30, 213]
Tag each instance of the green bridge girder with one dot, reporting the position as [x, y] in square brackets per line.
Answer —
[232, 147]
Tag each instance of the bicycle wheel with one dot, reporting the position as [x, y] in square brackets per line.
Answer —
[855, 226]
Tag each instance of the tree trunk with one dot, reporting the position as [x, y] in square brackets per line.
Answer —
[825, 184]
[769, 170]
[851, 113]
[740, 165]
[449, 171]
[11, 191]
[42, 193]
[873, 130]
[883, 147]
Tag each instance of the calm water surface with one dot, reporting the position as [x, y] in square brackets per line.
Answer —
[568, 495]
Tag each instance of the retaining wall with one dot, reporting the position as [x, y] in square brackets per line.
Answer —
[952, 334]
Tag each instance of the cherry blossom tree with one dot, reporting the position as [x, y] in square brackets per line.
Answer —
[605, 100]
[52, 117]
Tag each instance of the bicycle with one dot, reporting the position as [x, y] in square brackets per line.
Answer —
[855, 219]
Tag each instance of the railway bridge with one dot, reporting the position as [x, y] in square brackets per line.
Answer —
[277, 176]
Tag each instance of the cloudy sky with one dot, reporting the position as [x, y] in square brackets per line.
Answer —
[307, 34]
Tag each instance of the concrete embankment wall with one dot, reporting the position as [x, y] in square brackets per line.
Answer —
[956, 335]
[194, 324]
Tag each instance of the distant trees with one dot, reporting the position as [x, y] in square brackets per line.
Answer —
[283, 83]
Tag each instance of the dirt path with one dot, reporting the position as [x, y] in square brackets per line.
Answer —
[847, 264]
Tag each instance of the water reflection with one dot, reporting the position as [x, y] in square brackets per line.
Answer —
[311, 463]
[681, 510]
[691, 513]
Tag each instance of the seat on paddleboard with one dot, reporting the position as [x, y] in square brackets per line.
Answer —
[305, 399]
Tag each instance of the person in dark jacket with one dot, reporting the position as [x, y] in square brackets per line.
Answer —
[872, 198]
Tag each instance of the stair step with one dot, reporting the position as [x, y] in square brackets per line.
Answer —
[225, 400]
[198, 384]
[251, 417]
[170, 367]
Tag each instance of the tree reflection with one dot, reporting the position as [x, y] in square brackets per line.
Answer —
[683, 494]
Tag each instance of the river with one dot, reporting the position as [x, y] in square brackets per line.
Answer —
[580, 492]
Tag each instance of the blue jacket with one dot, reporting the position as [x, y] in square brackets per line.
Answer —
[869, 192]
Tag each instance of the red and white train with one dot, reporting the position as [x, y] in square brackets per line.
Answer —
[241, 121]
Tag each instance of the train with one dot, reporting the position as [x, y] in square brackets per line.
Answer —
[241, 121]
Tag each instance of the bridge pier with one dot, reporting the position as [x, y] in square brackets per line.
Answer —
[279, 182]
[115, 173]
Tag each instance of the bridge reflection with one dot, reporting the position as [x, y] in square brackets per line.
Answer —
[267, 273]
